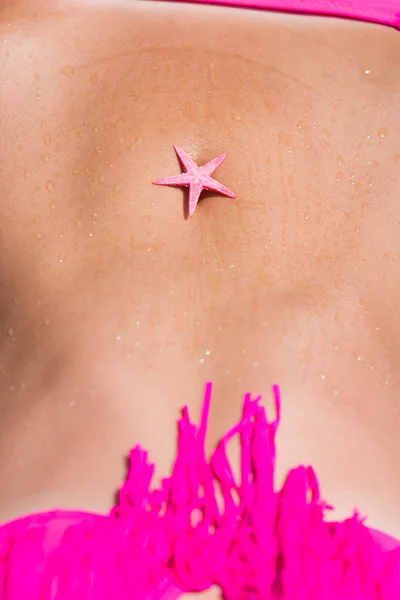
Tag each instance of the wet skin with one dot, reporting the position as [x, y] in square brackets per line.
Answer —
[115, 308]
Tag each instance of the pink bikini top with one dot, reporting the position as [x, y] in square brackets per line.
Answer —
[386, 12]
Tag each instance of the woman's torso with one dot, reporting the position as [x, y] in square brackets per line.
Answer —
[116, 309]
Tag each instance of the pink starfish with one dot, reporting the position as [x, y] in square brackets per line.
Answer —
[196, 178]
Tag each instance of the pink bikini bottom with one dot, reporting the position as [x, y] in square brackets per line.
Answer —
[203, 527]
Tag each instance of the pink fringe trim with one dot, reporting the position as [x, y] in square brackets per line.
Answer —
[260, 544]
[263, 544]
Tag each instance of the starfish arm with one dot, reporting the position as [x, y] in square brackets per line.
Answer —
[195, 190]
[216, 186]
[174, 180]
[213, 164]
[187, 162]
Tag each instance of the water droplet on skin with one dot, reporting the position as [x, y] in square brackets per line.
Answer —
[93, 79]
[52, 205]
[378, 328]
[339, 175]
[367, 72]
[382, 133]
[339, 159]
[228, 371]
[301, 125]
[208, 352]
[323, 376]
[47, 138]
[51, 187]
[201, 360]
[39, 236]
[118, 338]
[236, 117]
[118, 123]
[335, 392]
[68, 71]
[46, 158]
[63, 255]
[27, 173]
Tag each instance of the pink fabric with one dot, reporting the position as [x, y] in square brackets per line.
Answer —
[262, 544]
[386, 12]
